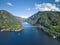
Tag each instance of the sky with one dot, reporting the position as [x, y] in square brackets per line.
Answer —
[26, 8]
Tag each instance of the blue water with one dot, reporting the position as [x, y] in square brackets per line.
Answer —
[29, 36]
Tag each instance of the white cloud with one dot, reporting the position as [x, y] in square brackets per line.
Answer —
[28, 9]
[9, 4]
[57, 0]
[47, 7]
[24, 16]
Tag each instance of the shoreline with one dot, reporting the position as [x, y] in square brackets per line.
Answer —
[53, 37]
[11, 30]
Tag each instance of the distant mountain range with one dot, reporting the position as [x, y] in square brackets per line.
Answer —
[48, 22]
[8, 22]
[20, 19]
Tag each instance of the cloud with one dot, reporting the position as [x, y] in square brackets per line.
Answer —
[9, 4]
[28, 9]
[47, 7]
[24, 16]
[57, 0]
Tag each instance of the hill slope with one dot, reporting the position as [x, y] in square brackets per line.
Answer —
[8, 22]
[47, 21]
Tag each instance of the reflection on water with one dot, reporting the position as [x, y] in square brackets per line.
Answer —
[29, 36]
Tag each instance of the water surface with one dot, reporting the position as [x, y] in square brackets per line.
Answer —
[29, 36]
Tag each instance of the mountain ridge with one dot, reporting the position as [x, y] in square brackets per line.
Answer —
[48, 21]
[8, 22]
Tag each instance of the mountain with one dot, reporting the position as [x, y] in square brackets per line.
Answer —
[20, 19]
[8, 22]
[48, 22]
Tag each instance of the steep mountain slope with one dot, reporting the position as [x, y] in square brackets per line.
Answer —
[8, 22]
[47, 21]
